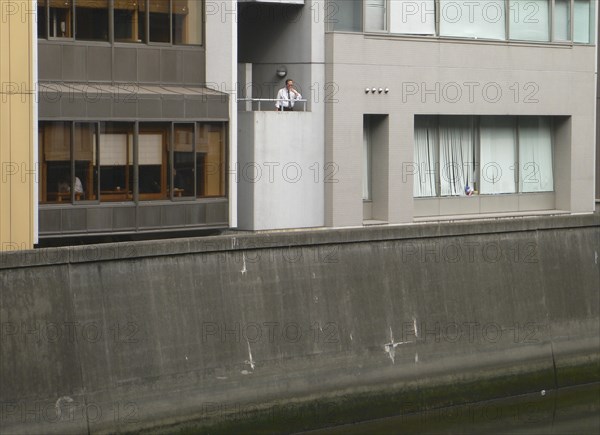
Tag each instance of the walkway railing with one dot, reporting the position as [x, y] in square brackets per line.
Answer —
[258, 104]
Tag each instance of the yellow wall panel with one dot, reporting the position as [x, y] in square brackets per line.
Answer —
[16, 125]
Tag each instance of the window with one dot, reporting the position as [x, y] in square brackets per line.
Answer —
[183, 160]
[367, 160]
[187, 22]
[344, 15]
[160, 27]
[462, 155]
[60, 19]
[562, 20]
[85, 156]
[91, 20]
[529, 20]
[375, 16]
[55, 160]
[42, 19]
[412, 17]
[210, 159]
[116, 161]
[130, 21]
[525, 20]
[480, 19]
[153, 160]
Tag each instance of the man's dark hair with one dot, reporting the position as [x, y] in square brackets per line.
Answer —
[288, 80]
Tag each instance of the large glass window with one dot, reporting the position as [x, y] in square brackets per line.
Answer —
[187, 22]
[42, 19]
[473, 19]
[183, 160]
[116, 161]
[412, 17]
[210, 159]
[85, 156]
[130, 21]
[375, 15]
[463, 155]
[344, 15]
[562, 20]
[582, 21]
[55, 161]
[153, 160]
[91, 20]
[529, 20]
[160, 23]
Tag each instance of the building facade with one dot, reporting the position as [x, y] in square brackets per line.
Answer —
[131, 137]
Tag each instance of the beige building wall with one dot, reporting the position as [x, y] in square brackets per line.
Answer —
[18, 174]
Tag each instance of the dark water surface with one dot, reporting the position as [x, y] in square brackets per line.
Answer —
[574, 410]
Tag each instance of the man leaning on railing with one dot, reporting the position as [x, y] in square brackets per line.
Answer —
[287, 96]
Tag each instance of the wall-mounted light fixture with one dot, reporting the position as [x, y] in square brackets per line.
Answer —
[281, 71]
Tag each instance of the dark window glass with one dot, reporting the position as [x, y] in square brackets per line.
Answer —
[42, 19]
[55, 161]
[160, 28]
[153, 160]
[91, 19]
[116, 161]
[130, 21]
[61, 19]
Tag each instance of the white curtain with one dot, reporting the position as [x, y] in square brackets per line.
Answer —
[473, 19]
[416, 17]
[529, 20]
[426, 151]
[498, 145]
[456, 154]
[375, 17]
[535, 155]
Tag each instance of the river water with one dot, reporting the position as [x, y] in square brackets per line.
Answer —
[574, 410]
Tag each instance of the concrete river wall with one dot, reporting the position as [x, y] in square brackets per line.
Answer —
[295, 330]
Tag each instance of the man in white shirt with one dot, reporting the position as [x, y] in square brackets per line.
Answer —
[286, 97]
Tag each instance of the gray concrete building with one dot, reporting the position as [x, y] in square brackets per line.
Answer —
[433, 109]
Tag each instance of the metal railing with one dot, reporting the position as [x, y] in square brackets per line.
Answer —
[255, 104]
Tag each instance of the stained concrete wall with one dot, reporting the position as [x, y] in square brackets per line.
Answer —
[237, 328]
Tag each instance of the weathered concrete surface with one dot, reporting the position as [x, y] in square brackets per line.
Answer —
[296, 329]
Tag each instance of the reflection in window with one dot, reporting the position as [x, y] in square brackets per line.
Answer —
[91, 20]
[55, 160]
[469, 19]
[42, 19]
[375, 15]
[116, 161]
[153, 160]
[412, 17]
[562, 20]
[581, 21]
[183, 160]
[529, 20]
[344, 15]
[210, 159]
[85, 154]
[160, 28]
[61, 19]
[187, 22]
[130, 21]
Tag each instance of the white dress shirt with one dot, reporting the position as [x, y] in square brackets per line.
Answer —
[286, 98]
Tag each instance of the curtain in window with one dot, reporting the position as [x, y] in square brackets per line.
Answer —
[535, 155]
[375, 17]
[498, 145]
[456, 154]
[412, 17]
[426, 151]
